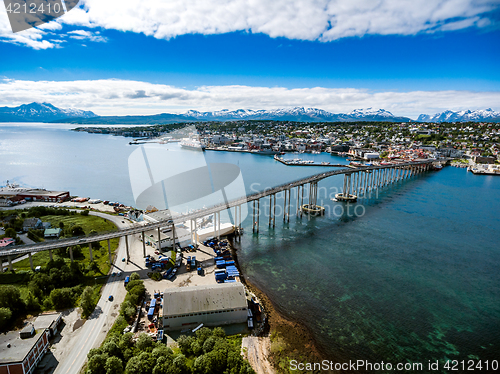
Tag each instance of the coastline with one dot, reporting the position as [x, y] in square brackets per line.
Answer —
[290, 340]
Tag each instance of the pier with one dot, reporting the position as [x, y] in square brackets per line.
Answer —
[358, 181]
[299, 162]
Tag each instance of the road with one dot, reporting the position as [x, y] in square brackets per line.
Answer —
[95, 328]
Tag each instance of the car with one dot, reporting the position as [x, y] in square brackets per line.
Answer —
[110, 298]
[113, 274]
[123, 221]
[123, 259]
[119, 274]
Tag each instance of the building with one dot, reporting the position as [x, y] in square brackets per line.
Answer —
[49, 322]
[16, 194]
[484, 160]
[52, 233]
[20, 356]
[20, 352]
[214, 305]
[5, 242]
[32, 224]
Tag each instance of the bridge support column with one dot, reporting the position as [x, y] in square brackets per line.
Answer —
[31, 261]
[191, 231]
[50, 254]
[126, 246]
[301, 201]
[11, 268]
[274, 210]
[284, 206]
[258, 214]
[71, 253]
[253, 217]
[218, 232]
[109, 252]
[159, 240]
[90, 252]
[270, 208]
[298, 202]
[173, 239]
[215, 224]
[143, 244]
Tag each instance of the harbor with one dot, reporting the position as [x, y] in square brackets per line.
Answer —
[301, 162]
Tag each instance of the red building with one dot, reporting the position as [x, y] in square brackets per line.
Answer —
[21, 355]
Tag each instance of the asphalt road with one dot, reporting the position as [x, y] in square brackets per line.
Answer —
[95, 328]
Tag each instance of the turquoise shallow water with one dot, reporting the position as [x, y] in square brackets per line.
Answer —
[413, 278]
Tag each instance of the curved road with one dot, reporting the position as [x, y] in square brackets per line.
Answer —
[94, 330]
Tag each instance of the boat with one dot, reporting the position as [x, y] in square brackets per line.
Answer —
[437, 167]
[192, 144]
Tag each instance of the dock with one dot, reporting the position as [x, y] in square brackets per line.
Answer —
[305, 163]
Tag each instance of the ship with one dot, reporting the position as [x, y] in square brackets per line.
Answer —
[192, 144]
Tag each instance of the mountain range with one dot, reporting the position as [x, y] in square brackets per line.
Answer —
[487, 115]
[45, 112]
[41, 112]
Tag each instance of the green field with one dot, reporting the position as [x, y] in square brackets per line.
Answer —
[89, 224]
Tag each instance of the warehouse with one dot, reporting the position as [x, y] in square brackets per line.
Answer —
[214, 305]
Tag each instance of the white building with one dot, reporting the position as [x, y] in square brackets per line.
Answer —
[214, 305]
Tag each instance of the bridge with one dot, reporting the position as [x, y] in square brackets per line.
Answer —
[358, 182]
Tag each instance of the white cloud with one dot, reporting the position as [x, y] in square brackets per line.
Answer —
[323, 20]
[123, 97]
[86, 35]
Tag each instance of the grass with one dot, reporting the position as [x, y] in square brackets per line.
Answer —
[88, 223]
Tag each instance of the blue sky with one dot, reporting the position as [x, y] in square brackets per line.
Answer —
[427, 62]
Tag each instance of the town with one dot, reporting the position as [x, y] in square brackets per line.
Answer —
[475, 143]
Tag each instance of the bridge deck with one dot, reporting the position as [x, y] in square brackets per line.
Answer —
[23, 249]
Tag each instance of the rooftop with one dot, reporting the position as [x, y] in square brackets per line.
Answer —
[19, 348]
[196, 299]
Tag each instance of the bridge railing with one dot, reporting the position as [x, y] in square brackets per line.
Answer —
[26, 248]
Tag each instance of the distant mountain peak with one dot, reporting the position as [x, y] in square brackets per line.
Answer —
[462, 116]
[41, 112]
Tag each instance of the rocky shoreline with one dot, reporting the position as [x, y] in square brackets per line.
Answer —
[290, 340]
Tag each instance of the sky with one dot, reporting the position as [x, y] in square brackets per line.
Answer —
[121, 57]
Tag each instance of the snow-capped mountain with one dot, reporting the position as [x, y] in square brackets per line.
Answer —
[462, 116]
[41, 112]
[292, 114]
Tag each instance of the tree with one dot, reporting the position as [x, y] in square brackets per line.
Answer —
[10, 297]
[209, 344]
[180, 364]
[162, 351]
[111, 348]
[96, 364]
[5, 316]
[32, 303]
[77, 231]
[61, 298]
[134, 276]
[203, 334]
[196, 348]
[114, 366]
[10, 233]
[144, 343]
[126, 341]
[87, 301]
[184, 343]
